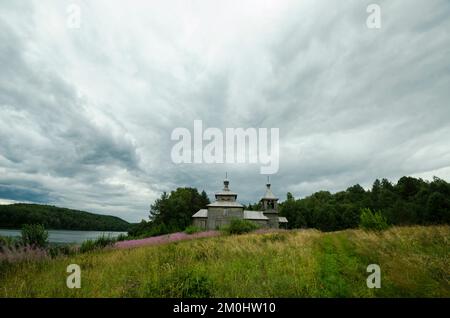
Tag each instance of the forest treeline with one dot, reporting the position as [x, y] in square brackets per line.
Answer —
[410, 201]
[14, 216]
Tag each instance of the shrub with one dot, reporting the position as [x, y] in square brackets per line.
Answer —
[239, 226]
[7, 242]
[191, 229]
[34, 235]
[99, 243]
[373, 221]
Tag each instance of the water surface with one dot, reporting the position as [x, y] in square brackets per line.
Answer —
[66, 236]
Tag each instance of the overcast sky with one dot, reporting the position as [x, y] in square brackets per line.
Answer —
[86, 113]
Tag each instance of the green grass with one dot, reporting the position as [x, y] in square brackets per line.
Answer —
[414, 262]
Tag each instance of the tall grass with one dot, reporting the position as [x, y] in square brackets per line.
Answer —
[99, 243]
[414, 263]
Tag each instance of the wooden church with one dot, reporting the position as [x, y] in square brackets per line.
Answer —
[225, 208]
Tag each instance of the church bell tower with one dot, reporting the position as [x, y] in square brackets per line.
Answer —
[269, 203]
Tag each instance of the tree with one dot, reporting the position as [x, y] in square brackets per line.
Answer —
[410, 201]
[204, 199]
[407, 187]
[172, 212]
[438, 208]
[376, 194]
[289, 197]
[158, 206]
[326, 218]
[34, 235]
[373, 221]
[294, 213]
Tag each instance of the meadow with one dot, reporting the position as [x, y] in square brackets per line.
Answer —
[414, 262]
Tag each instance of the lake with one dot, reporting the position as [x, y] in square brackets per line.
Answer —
[66, 236]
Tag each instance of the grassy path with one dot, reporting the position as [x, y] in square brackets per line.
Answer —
[414, 262]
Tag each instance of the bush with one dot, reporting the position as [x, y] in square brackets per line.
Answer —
[34, 235]
[191, 229]
[99, 243]
[373, 221]
[7, 242]
[239, 226]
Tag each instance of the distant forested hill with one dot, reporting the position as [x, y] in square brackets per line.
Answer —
[15, 215]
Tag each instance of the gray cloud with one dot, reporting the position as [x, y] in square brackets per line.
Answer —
[86, 114]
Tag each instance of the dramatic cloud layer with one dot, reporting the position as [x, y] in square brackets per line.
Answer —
[86, 113]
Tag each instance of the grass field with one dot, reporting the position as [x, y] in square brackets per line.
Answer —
[414, 262]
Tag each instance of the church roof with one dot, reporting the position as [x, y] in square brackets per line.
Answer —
[223, 198]
[269, 194]
[254, 215]
[225, 204]
[282, 219]
[203, 213]
[226, 189]
[248, 215]
[226, 193]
